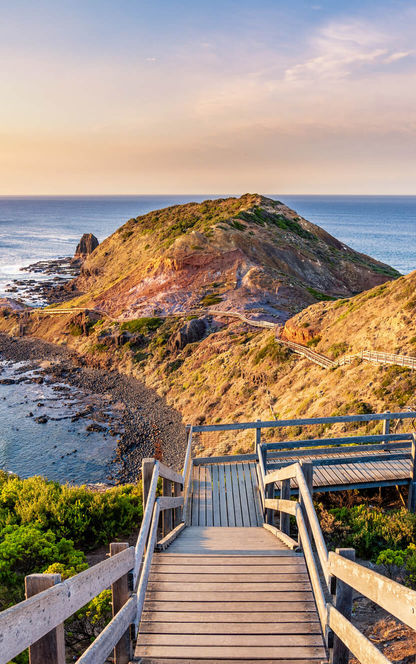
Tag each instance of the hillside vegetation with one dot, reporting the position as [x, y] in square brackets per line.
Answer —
[241, 253]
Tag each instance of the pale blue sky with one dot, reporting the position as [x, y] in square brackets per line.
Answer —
[131, 96]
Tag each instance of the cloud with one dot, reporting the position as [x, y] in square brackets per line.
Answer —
[342, 48]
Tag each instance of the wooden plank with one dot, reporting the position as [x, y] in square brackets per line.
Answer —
[233, 577]
[220, 570]
[188, 660]
[256, 494]
[243, 494]
[157, 627]
[169, 502]
[303, 450]
[234, 640]
[216, 517]
[236, 497]
[398, 600]
[231, 606]
[287, 506]
[230, 596]
[286, 558]
[195, 496]
[285, 473]
[29, 621]
[250, 494]
[283, 537]
[169, 474]
[224, 459]
[230, 496]
[170, 537]
[193, 585]
[202, 497]
[231, 652]
[120, 595]
[208, 496]
[240, 616]
[238, 426]
[222, 496]
[343, 440]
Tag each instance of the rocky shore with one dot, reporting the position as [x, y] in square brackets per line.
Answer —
[145, 426]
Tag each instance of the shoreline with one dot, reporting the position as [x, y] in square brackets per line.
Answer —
[150, 428]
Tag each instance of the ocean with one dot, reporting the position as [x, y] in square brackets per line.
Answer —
[36, 228]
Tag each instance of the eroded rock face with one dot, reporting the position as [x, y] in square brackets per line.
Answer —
[86, 246]
[194, 330]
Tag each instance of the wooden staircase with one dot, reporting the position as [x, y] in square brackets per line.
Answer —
[222, 594]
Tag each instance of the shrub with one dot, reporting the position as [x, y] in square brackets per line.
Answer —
[210, 299]
[313, 342]
[143, 325]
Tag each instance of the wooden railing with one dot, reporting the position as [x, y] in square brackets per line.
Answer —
[312, 355]
[338, 570]
[37, 622]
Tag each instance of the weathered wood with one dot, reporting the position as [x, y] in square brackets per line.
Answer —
[286, 473]
[141, 590]
[312, 569]
[167, 513]
[147, 470]
[354, 640]
[27, 622]
[315, 528]
[257, 438]
[169, 474]
[120, 595]
[308, 653]
[286, 539]
[287, 506]
[169, 502]
[285, 515]
[343, 604]
[412, 483]
[344, 440]
[302, 618]
[170, 537]
[303, 449]
[306, 468]
[238, 426]
[51, 647]
[221, 627]
[390, 595]
[144, 528]
[101, 648]
[203, 461]
[386, 425]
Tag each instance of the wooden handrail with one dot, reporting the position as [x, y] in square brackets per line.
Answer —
[19, 629]
[346, 440]
[275, 424]
[187, 469]
[146, 522]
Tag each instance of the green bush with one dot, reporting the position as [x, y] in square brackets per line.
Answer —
[88, 518]
[142, 325]
[368, 529]
[399, 564]
[313, 342]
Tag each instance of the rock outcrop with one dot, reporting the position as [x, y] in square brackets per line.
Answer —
[86, 246]
[194, 330]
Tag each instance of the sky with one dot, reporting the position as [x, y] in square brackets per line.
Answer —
[218, 96]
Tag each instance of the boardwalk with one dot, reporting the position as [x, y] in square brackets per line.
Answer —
[243, 574]
[225, 494]
[227, 594]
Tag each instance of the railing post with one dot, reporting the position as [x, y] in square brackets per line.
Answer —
[412, 484]
[166, 514]
[257, 439]
[285, 518]
[147, 470]
[307, 469]
[51, 647]
[120, 595]
[386, 426]
[178, 511]
[269, 493]
[343, 603]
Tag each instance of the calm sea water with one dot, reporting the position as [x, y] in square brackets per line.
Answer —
[35, 228]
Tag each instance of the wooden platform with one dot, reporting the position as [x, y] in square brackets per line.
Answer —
[229, 595]
[225, 494]
[383, 471]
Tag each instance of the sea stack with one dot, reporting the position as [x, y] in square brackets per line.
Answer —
[85, 246]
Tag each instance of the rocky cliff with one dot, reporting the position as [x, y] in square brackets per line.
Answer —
[250, 253]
